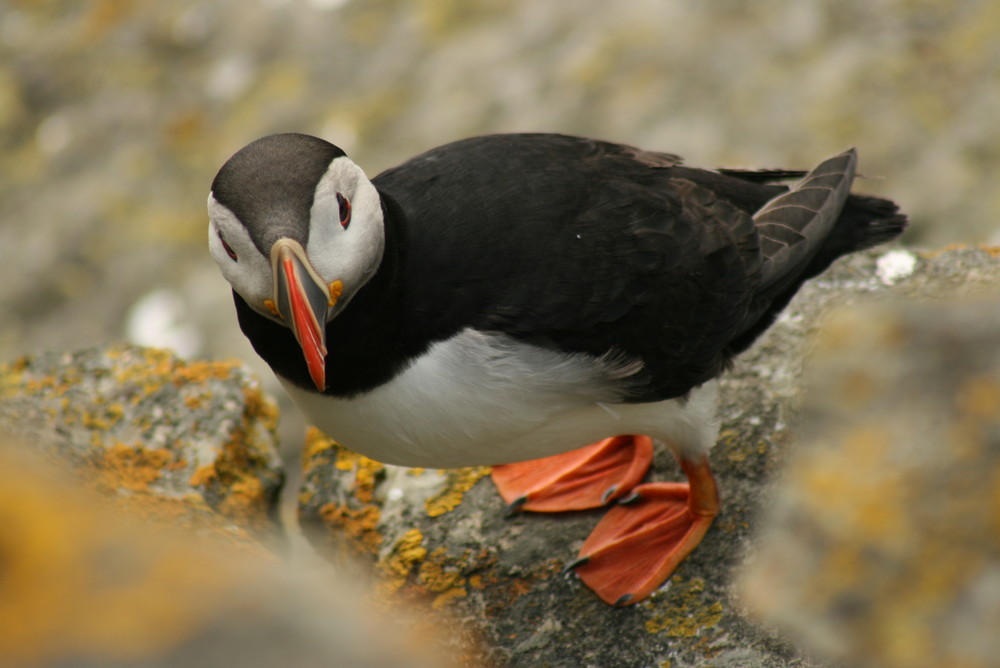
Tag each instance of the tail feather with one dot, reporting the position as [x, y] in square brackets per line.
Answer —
[795, 225]
[863, 221]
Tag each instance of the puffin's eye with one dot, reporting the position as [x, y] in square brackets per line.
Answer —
[229, 249]
[345, 210]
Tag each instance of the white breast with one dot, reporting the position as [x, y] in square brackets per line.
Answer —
[484, 398]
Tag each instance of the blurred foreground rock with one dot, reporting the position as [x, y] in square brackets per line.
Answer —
[136, 504]
[883, 541]
[439, 538]
[84, 585]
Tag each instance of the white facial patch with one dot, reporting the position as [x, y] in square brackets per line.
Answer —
[250, 273]
[350, 255]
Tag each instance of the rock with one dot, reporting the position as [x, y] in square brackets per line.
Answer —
[85, 585]
[439, 538]
[882, 542]
[139, 501]
[193, 443]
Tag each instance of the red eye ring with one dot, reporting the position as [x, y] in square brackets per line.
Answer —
[229, 249]
[345, 210]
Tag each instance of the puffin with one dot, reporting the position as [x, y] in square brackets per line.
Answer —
[552, 306]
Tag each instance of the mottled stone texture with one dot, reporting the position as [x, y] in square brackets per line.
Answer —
[439, 538]
[883, 540]
[137, 502]
[188, 442]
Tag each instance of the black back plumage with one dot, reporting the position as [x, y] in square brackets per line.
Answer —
[581, 246]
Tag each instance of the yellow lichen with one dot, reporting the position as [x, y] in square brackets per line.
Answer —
[360, 524]
[406, 554]
[687, 613]
[445, 598]
[457, 483]
[203, 475]
[316, 445]
[128, 467]
[366, 471]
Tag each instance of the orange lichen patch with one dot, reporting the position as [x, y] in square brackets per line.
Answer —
[445, 598]
[12, 378]
[203, 475]
[395, 569]
[360, 524]
[443, 576]
[149, 369]
[457, 483]
[194, 403]
[687, 612]
[317, 445]
[261, 407]
[199, 372]
[128, 467]
[234, 479]
[931, 254]
[319, 450]
[416, 573]
[102, 419]
[992, 251]
[245, 503]
[357, 519]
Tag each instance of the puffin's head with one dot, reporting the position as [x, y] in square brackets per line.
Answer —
[296, 228]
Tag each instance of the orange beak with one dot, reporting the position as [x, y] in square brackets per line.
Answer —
[302, 300]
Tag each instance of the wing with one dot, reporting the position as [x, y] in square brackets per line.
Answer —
[579, 245]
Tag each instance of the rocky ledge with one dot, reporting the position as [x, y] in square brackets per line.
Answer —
[859, 519]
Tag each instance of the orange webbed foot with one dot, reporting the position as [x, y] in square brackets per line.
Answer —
[639, 543]
[585, 478]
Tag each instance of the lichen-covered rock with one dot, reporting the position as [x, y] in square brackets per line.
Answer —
[883, 542]
[440, 537]
[186, 442]
[82, 585]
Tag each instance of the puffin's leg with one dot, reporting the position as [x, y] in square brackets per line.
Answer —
[639, 542]
[585, 478]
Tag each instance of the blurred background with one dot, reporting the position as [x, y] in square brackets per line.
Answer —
[116, 114]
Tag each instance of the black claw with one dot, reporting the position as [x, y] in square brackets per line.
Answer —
[579, 561]
[624, 599]
[634, 497]
[609, 493]
[515, 506]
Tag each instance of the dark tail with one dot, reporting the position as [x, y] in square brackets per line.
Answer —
[864, 222]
